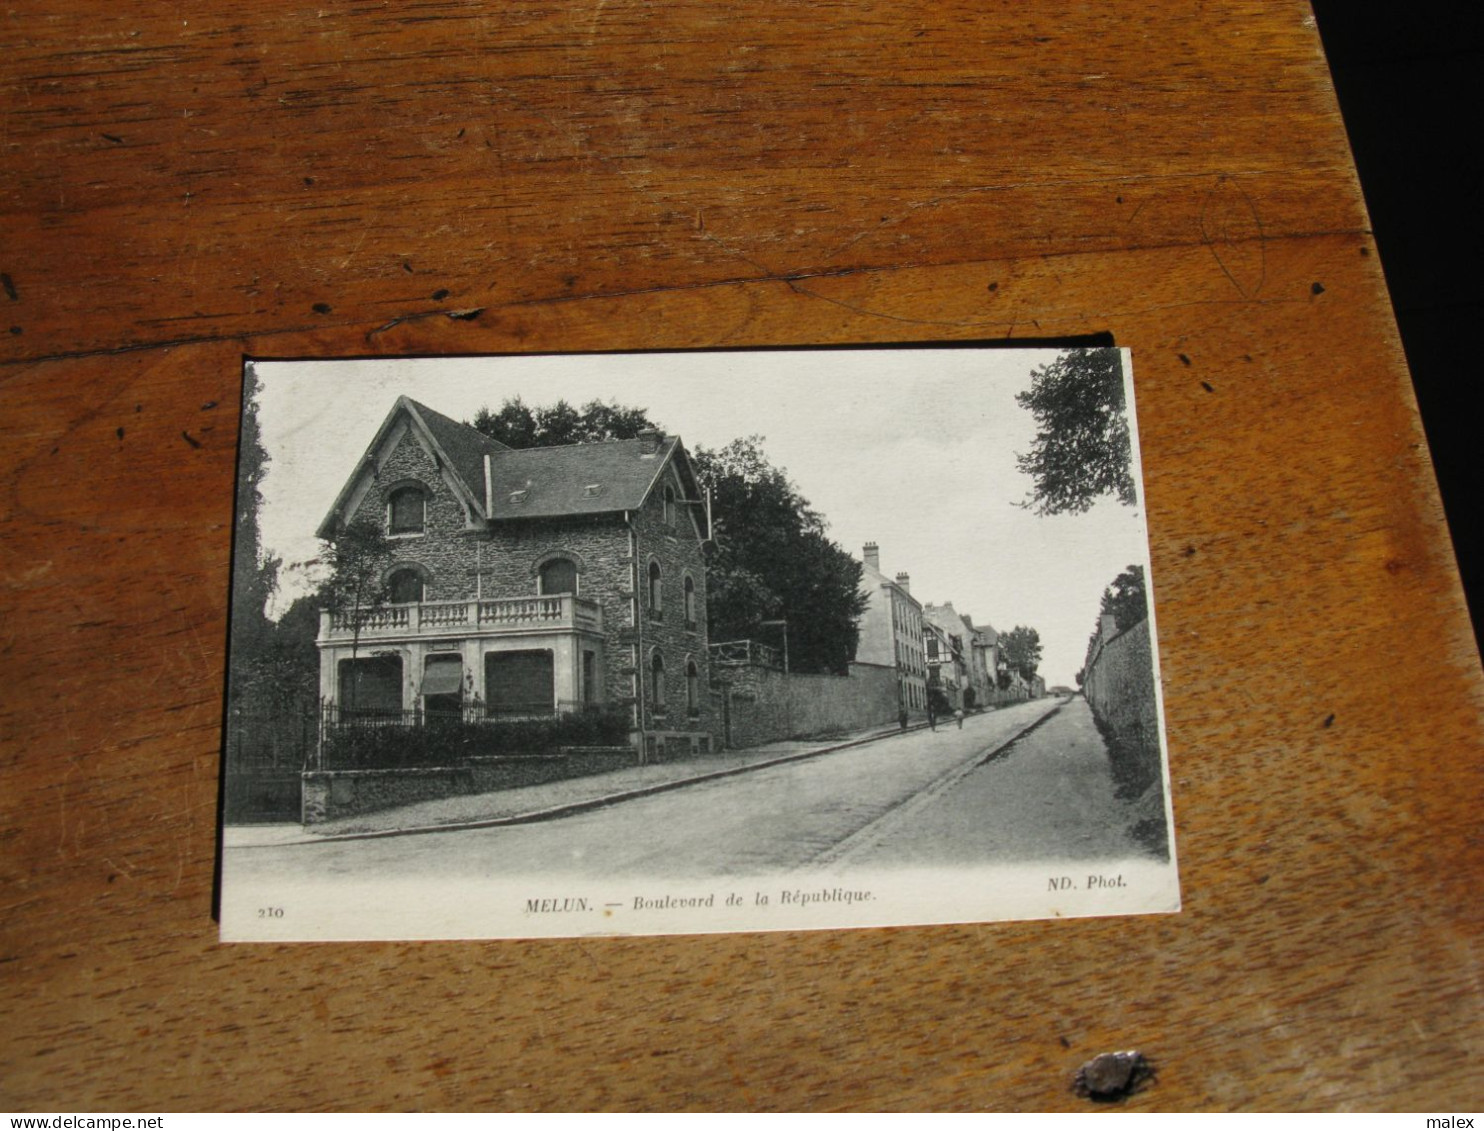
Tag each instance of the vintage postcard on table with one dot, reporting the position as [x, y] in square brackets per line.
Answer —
[689, 642]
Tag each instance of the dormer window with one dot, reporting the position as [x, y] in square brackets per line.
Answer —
[407, 510]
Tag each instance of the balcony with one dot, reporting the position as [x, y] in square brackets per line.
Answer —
[489, 617]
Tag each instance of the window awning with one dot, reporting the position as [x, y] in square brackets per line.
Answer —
[443, 679]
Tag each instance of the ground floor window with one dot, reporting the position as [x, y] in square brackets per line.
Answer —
[589, 676]
[443, 685]
[371, 686]
[519, 683]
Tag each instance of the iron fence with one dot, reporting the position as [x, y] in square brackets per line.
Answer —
[359, 738]
[334, 716]
[264, 756]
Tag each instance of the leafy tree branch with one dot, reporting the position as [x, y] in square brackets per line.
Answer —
[1082, 450]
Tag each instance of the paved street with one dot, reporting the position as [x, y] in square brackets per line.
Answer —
[918, 798]
[1049, 797]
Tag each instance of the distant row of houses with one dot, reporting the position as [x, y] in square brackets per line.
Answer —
[941, 656]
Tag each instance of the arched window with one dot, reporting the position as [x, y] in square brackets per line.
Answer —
[559, 575]
[690, 602]
[657, 683]
[669, 511]
[407, 510]
[656, 593]
[405, 586]
[692, 689]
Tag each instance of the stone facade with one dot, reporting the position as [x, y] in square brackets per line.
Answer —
[674, 627]
[621, 639]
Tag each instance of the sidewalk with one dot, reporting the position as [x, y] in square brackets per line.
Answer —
[553, 799]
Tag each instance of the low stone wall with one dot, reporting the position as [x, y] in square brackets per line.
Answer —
[765, 705]
[491, 774]
[331, 794]
[998, 698]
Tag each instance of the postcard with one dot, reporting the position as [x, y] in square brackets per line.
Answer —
[656, 643]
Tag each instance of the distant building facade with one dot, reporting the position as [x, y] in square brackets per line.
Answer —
[891, 630]
[946, 642]
[983, 648]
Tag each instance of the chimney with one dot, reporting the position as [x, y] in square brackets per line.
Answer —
[651, 438]
[1108, 627]
[872, 556]
[904, 581]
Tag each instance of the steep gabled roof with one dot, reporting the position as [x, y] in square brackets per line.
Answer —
[991, 637]
[946, 617]
[465, 447]
[615, 475]
[456, 446]
[574, 479]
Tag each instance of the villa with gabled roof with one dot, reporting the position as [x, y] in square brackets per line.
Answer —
[523, 583]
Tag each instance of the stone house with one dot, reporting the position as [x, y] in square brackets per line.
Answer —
[525, 583]
[890, 632]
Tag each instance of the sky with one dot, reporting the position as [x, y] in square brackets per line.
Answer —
[912, 449]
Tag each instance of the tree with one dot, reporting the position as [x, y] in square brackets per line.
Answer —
[773, 560]
[283, 675]
[254, 574]
[517, 425]
[1021, 648]
[1127, 598]
[1082, 450]
[356, 560]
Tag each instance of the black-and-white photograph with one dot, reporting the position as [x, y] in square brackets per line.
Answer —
[597, 644]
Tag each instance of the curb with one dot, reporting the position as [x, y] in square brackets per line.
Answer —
[575, 807]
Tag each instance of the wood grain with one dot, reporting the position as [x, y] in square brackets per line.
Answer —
[185, 187]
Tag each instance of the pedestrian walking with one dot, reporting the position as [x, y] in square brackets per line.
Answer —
[902, 718]
[932, 717]
[958, 717]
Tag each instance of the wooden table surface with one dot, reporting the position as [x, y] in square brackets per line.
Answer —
[185, 184]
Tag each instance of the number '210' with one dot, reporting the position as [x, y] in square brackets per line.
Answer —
[270, 912]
